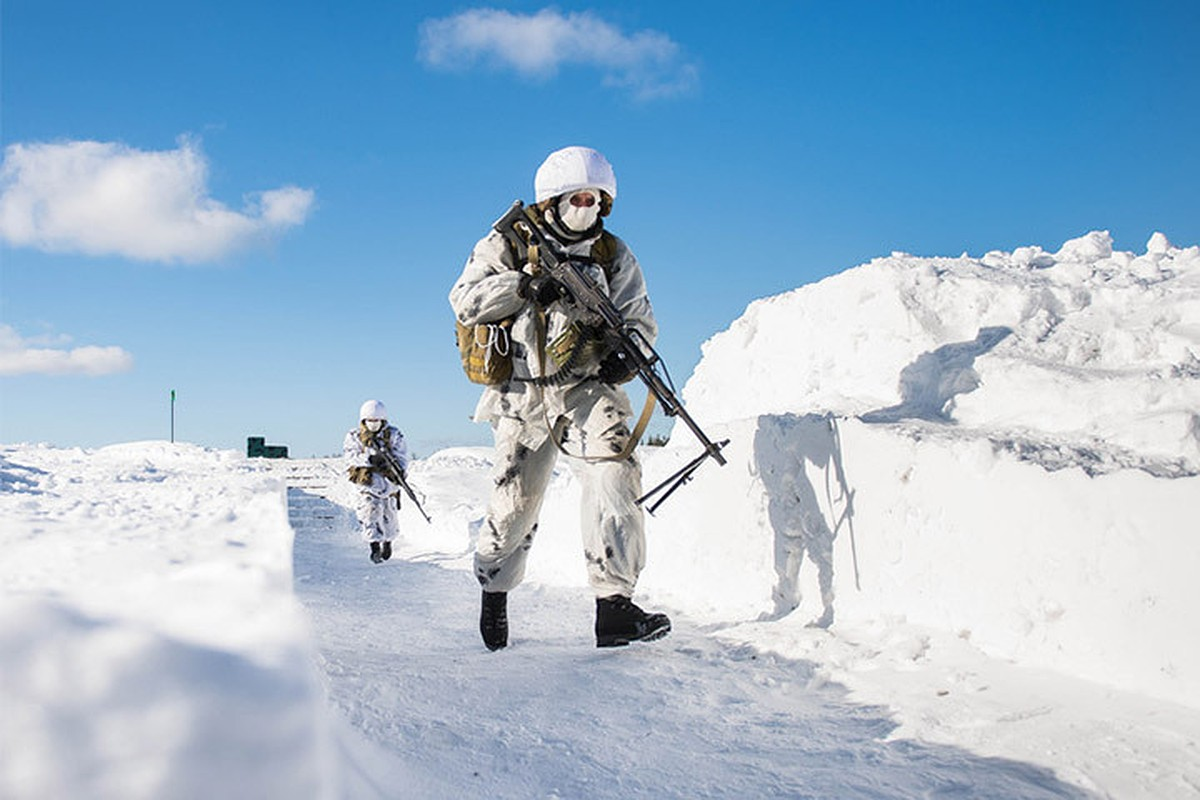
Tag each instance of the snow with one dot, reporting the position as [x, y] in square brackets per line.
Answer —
[150, 642]
[996, 460]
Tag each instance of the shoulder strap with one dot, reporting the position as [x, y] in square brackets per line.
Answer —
[604, 253]
[519, 248]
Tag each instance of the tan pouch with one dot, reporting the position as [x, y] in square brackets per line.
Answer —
[360, 475]
[486, 351]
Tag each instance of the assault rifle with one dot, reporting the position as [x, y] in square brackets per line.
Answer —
[632, 347]
[397, 474]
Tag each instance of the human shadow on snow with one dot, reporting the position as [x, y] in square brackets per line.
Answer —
[688, 716]
[929, 385]
[787, 449]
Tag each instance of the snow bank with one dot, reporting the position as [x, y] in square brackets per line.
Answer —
[1092, 576]
[1005, 447]
[1087, 347]
[150, 645]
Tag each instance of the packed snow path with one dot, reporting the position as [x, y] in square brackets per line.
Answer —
[431, 712]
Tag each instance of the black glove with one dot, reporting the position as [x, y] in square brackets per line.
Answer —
[615, 368]
[541, 289]
[376, 461]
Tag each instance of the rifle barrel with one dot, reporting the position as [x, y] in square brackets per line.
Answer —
[393, 466]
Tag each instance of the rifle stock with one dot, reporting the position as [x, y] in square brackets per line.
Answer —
[522, 229]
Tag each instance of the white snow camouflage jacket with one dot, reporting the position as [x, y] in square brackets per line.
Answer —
[357, 455]
[487, 292]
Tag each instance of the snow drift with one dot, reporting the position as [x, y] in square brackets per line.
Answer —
[1085, 357]
[150, 642]
[1006, 447]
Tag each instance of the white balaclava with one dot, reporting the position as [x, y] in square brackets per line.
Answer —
[580, 217]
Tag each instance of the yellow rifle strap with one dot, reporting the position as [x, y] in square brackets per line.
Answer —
[636, 435]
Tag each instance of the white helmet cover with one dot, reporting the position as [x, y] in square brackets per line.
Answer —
[372, 409]
[574, 168]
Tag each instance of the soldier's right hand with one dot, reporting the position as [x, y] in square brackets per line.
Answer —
[541, 289]
[376, 461]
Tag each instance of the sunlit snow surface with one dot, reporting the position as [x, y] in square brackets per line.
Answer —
[994, 459]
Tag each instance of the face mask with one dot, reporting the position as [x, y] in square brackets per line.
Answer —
[374, 425]
[579, 210]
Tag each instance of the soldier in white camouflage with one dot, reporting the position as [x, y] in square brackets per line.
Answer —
[378, 503]
[565, 396]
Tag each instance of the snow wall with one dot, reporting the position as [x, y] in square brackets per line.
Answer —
[1006, 447]
[1093, 576]
[150, 641]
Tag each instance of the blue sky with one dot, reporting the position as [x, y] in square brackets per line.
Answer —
[262, 205]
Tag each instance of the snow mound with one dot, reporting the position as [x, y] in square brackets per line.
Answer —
[465, 458]
[150, 642]
[819, 519]
[1005, 447]
[1084, 357]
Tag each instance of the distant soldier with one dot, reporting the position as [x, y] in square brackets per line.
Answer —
[564, 395]
[378, 487]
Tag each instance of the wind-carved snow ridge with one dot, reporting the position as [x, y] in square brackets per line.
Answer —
[929, 385]
[929, 388]
[1050, 452]
[1097, 458]
[16, 477]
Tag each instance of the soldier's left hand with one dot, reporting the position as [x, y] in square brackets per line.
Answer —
[615, 368]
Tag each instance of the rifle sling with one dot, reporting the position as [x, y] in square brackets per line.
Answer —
[635, 435]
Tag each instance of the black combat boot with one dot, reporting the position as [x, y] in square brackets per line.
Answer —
[619, 622]
[376, 552]
[493, 620]
[385, 552]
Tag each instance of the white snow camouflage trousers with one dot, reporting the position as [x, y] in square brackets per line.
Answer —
[378, 517]
[614, 543]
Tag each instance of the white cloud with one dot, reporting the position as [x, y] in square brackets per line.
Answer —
[647, 62]
[105, 198]
[20, 356]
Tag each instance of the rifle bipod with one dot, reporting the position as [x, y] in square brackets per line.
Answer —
[681, 476]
